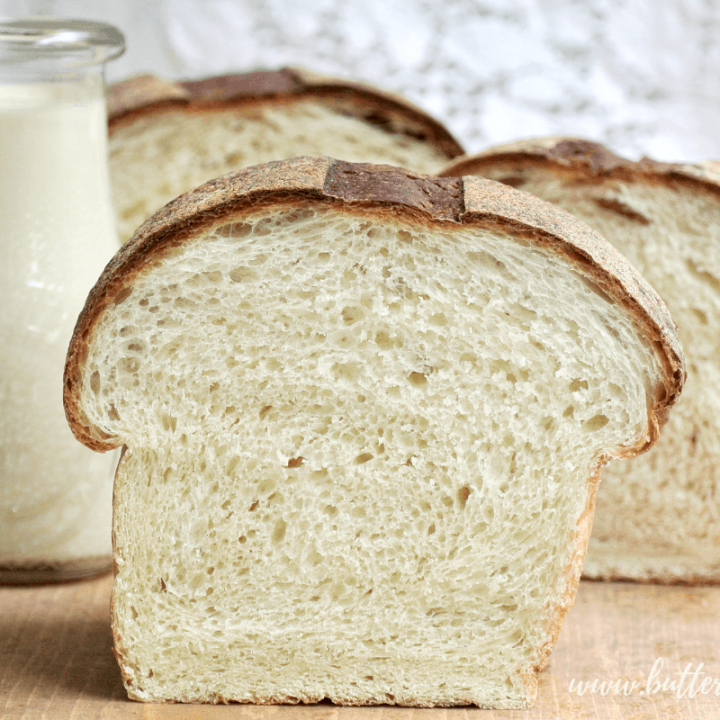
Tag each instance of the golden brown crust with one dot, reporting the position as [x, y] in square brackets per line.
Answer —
[139, 91]
[556, 614]
[585, 160]
[383, 190]
[145, 94]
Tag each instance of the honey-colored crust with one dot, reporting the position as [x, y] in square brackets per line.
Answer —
[394, 192]
[585, 160]
[145, 94]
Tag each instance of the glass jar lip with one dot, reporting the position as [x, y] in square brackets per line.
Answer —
[72, 43]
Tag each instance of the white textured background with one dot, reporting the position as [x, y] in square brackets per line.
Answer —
[642, 76]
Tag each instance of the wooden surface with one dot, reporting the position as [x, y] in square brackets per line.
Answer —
[56, 661]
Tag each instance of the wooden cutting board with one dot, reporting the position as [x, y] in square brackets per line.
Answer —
[56, 662]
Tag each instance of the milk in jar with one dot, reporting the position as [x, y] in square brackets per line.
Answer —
[57, 232]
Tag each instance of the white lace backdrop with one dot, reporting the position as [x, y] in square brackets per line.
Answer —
[642, 76]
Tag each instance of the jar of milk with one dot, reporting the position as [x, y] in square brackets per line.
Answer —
[57, 232]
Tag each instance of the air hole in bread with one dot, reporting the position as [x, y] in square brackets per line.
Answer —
[123, 295]
[595, 423]
[243, 274]
[462, 495]
[234, 230]
[363, 458]
[279, 530]
[352, 315]
[622, 208]
[349, 370]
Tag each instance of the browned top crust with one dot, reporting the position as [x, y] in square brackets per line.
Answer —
[588, 159]
[379, 190]
[145, 93]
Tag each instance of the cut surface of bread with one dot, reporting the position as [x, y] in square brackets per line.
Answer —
[658, 516]
[167, 138]
[364, 413]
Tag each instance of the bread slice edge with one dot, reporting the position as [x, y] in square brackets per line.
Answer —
[145, 93]
[427, 199]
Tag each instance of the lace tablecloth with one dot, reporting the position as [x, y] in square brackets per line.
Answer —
[639, 75]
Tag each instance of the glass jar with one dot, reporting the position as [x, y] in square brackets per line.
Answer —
[57, 232]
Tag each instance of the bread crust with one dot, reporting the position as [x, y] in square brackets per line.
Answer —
[391, 192]
[146, 94]
[589, 161]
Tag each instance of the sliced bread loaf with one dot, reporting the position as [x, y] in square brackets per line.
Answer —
[167, 138]
[364, 414]
[658, 516]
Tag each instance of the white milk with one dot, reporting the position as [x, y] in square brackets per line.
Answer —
[56, 235]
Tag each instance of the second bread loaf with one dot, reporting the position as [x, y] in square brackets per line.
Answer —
[169, 137]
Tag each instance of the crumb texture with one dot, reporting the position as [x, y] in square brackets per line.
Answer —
[358, 457]
[671, 233]
[161, 155]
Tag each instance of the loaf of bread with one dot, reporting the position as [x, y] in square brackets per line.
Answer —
[658, 516]
[364, 413]
[167, 138]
